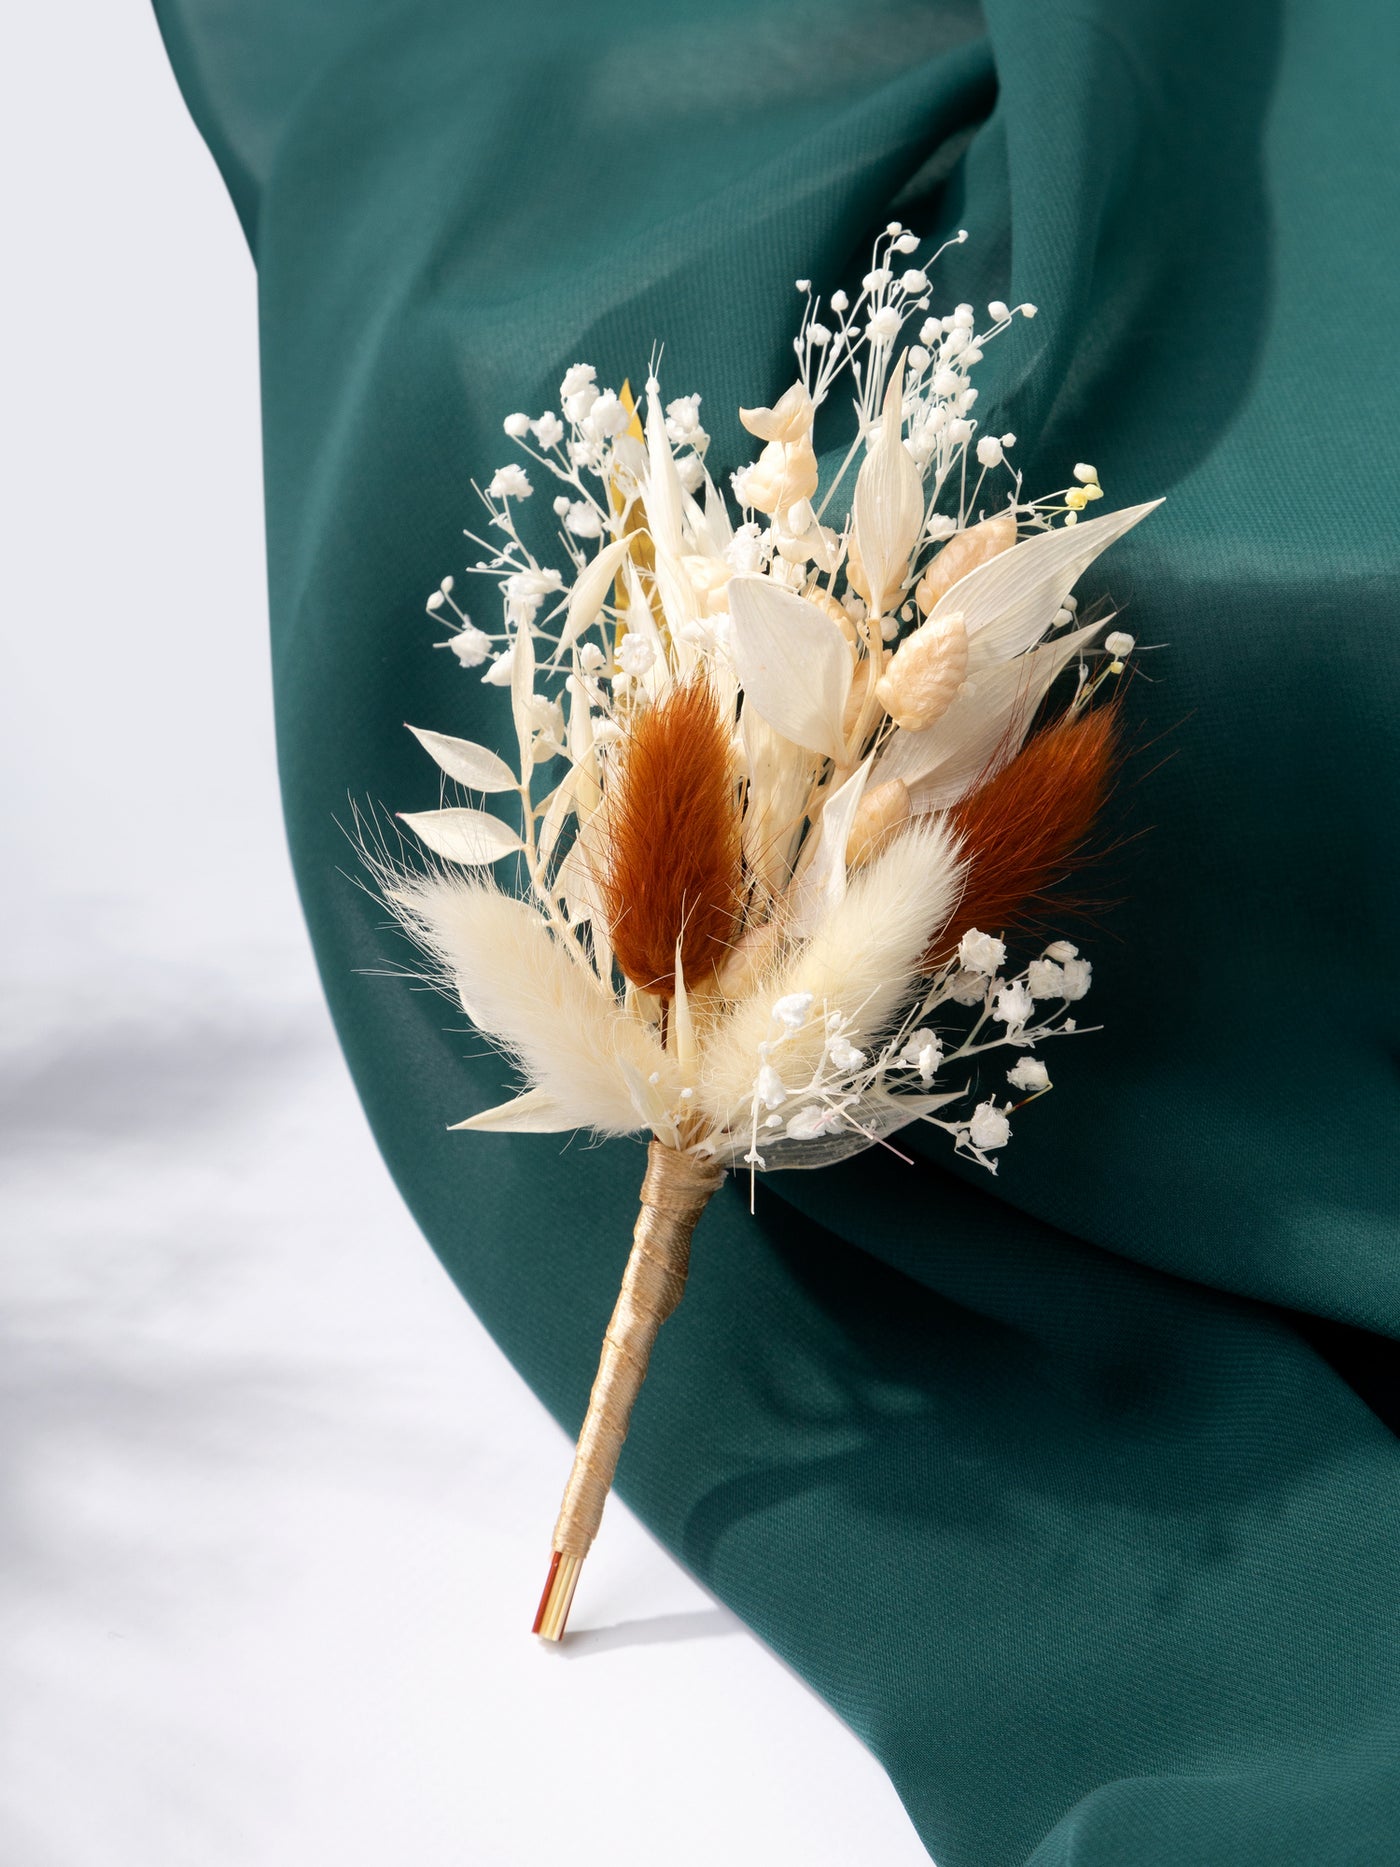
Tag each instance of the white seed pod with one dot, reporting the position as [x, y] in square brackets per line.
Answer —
[709, 578]
[963, 552]
[882, 812]
[782, 475]
[928, 668]
[789, 419]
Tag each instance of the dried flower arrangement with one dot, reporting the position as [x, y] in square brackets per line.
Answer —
[777, 797]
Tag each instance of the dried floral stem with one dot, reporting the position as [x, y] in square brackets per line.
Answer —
[675, 1191]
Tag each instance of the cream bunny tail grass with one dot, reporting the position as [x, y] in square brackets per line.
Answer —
[518, 985]
[860, 964]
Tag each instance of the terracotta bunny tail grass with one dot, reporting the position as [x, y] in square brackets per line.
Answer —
[1027, 829]
[670, 864]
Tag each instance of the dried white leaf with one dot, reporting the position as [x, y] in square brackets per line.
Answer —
[590, 592]
[471, 837]
[535, 1112]
[661, 491]
[642, 621]
[577, 887]
[556, 812]
[466, 762]
[823, 882]
[888, 506]
[873, 1118]
[794, 663]
[1009, 602]
[716, 517]
[984, 727]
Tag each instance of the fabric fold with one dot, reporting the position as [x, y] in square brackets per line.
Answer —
[1033, 1479]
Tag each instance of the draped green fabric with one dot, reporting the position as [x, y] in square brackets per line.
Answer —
[1046, 1482]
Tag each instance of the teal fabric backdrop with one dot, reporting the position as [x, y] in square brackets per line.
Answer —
[1063, 1489]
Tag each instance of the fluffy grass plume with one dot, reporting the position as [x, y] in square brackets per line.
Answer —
[669, 863]
[1027, 828]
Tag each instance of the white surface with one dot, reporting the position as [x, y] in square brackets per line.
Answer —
[273, 1507]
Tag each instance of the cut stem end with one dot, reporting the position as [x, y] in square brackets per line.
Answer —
[558, 1596]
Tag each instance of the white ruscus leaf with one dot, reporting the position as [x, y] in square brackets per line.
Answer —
[794, 664]
[1009, 602]
[471, 837]
[466, 762]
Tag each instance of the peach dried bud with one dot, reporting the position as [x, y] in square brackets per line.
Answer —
[927, 670]
[963, 552]
[789, 419]
[838, 613]
[881, 814]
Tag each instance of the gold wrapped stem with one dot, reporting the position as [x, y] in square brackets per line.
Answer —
[675, 1192]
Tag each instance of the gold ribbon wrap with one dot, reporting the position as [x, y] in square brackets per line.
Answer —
[675, 1191]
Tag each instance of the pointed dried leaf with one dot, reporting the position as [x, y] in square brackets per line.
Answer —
[661, 493]
[556, 812]
[534, 1112]
[716, 517]
[794, 663]
[1009, 602]
[823, 883]
[590, 592]
[471, 837]
[577, 886]
[983, 728]
[876, 1116]
[466, 762]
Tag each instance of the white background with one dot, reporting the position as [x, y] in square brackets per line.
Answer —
[273, 1509]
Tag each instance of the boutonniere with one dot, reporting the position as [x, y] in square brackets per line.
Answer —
[786, 776]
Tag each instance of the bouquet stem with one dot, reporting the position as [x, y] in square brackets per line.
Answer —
[675, 1191]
